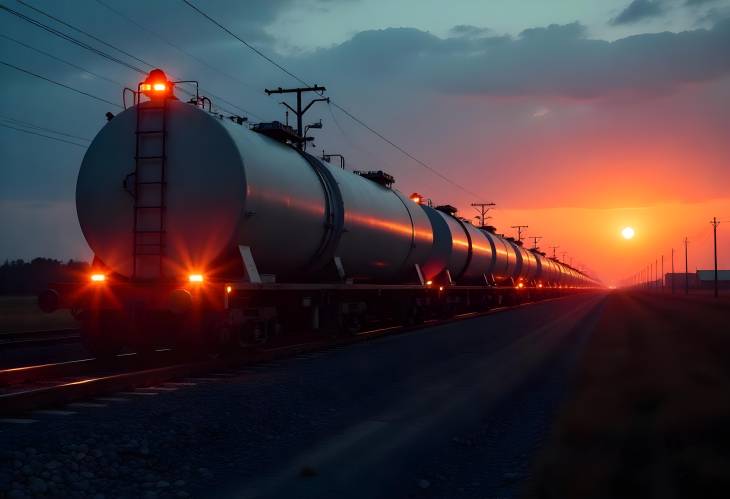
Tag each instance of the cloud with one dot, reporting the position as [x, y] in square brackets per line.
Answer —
[541, 112]
[699, 2]
[468, 30]
[557, 60]
[639, 10]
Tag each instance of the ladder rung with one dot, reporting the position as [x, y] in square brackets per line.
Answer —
[152, 207]
[150, 132]
[149, 157]
[150, 183]
[149, 108]
[158, 245]
[149, 254]
[150, 231]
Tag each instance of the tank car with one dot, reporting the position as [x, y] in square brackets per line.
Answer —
[205, 230]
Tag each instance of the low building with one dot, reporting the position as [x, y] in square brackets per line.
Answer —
[679, 279]
[706, 279]
[701, 279]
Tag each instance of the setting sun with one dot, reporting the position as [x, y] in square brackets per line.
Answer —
[628, 233]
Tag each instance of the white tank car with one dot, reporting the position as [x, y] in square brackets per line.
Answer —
[226, 186]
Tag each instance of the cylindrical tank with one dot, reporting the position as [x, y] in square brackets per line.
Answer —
[505, 258]
[226, 186]
[460, 247]
[482, 257]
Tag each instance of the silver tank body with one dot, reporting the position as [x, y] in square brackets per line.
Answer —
[459, 247]
[229, 186]
[505, 258]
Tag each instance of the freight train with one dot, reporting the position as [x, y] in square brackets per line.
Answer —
[209, 231]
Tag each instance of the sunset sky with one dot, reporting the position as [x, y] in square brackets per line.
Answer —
[577, 118]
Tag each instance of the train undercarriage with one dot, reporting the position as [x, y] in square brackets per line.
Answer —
[220, 317]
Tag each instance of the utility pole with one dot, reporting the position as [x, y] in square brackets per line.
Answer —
[299, 112]
[483, 209]
[662, 273]
[686, 267]
[656, 273]
[673, 276]
[651, 274]
[648, 277]
[563, 259]
[519, 230]
[535, 239]
[554, 248]
[715, 223]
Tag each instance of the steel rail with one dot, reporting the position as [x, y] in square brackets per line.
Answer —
[97, 383]
[46, 336]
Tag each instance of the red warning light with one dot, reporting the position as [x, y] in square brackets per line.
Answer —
[416, 198]
[156, 85]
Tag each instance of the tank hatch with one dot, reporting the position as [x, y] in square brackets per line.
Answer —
[277, 131]
[447, 208]
[379, 177]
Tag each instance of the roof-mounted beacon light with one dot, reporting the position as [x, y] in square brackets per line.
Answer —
[156, 85]
[416, 198]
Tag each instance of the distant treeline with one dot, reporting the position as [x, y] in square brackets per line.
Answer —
[19, 277]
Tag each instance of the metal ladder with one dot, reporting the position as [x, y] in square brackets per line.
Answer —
[150, 186]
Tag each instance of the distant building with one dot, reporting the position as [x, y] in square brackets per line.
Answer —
[704, 279]
[679, 280]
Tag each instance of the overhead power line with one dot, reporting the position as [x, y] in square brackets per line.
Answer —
[64, 61]
[175, 46]
[86, 33]
[99, 52]
[43, 135]
[339, 107]
[254, 49]
[28, 124]
[403, 151]
[59, 84]
[188, 54]
[71, 39]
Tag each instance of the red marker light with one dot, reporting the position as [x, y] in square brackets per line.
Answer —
[98, 278]
[195, 278]
[156, 85]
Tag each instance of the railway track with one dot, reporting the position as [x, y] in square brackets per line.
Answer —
[45, 337]
[27, 388]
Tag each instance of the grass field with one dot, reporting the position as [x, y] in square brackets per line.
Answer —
[649, 416]
[21, 313]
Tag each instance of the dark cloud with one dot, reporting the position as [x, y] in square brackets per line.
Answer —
[639, 10]
[558, 60]
[699, 2]
[468, 30]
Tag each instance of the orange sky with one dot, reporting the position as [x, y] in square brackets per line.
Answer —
[592, 235]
